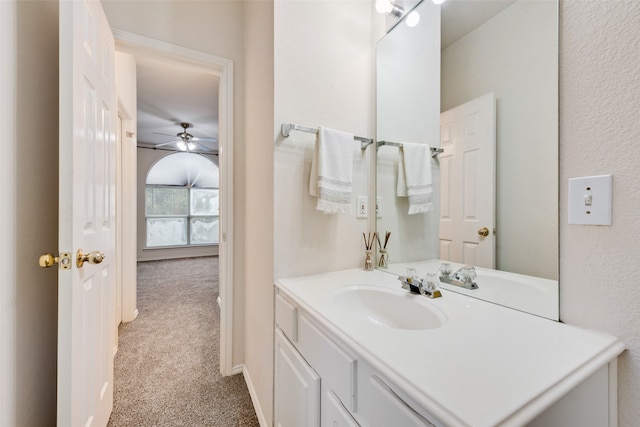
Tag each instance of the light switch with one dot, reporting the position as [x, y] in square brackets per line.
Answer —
[590, 200]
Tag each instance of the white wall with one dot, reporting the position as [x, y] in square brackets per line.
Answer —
[599, 134]
[28, 224]
[515, 55]
[323, 77]
[8, 277]
[259, 237]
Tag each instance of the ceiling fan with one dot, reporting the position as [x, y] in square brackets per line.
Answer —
[186, 141]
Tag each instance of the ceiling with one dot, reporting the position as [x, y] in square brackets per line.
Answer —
[460, 17]
[171, 92]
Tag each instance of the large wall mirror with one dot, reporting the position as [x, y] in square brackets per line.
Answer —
[479, 80]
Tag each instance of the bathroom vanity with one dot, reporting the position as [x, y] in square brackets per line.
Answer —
[353, 349]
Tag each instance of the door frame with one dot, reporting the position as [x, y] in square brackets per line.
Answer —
[126, 197]
[224, 68]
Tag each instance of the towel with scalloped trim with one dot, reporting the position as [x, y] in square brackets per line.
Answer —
[332, 171]
[414, 177]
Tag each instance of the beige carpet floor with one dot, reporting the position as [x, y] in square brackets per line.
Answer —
[166, 367]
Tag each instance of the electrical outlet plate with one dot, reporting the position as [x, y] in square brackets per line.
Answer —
[590, 200]
[379, 207]
[362, 207]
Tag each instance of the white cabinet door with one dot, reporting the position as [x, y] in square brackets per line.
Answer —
[334, 413]
[297, 388]
[389, 410]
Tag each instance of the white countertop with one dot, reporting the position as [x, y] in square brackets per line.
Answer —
[487, 365]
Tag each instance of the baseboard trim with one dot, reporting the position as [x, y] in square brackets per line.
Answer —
[132, 318]
[238, 369]
[254, 399]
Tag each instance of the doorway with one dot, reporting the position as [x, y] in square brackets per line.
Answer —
[222, 69]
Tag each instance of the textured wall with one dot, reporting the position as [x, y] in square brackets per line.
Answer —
[600, 134]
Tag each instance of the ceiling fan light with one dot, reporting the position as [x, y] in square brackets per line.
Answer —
[191, 145]
[182, 146]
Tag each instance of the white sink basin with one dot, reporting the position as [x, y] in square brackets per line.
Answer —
[397, 309]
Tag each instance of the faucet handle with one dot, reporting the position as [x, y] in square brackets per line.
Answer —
[411, 282]
[445, 269]
[467, 274]
[431, 282]
[430, 285]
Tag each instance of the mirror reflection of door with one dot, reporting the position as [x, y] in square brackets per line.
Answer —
[467, 183]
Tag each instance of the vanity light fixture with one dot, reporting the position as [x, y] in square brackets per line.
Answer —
[412, 19]
[389, 7]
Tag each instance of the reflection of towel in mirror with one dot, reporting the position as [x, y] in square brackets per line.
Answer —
[332, 171]
[414, 177]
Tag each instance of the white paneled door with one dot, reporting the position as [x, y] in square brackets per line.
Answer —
[467, 175]
[86, 291]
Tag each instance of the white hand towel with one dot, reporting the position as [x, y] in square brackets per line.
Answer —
[414, 177]
[332, 171]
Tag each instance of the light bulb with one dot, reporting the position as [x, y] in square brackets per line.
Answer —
[412, 19]
[384, 6]
[191, 146]
[182, 146]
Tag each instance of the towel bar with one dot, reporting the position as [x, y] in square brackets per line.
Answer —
[434, 150]
[286, 129]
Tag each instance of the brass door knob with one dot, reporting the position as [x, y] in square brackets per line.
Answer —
[48, 260]
[94, 257]
[484, 232]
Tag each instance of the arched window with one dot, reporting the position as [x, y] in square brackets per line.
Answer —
[181, 201]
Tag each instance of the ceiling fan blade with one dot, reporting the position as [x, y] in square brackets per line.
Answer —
[164, 134]
[203, 139]
[202, 147]
[166, 143]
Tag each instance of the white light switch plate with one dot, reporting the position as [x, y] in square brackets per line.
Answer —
[590, 200]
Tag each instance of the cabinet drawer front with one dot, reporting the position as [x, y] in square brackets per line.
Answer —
[389, 410]
[335, 366]
[287, 317]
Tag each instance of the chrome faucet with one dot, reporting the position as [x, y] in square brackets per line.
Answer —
[427, 286]
[463, 278]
